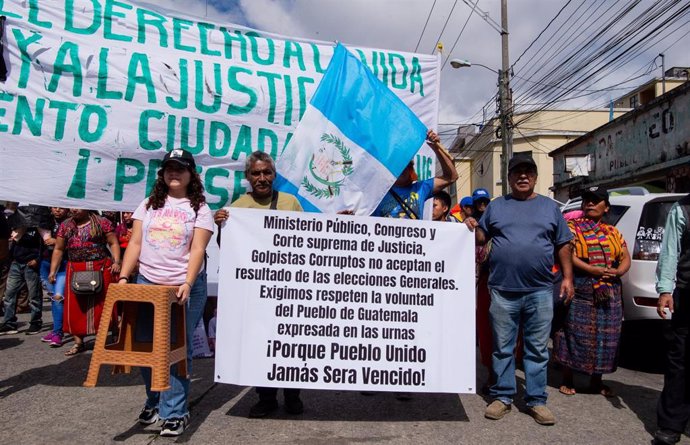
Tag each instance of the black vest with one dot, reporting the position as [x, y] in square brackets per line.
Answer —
[683, 270]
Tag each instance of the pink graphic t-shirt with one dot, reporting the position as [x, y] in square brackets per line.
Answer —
[167, 238]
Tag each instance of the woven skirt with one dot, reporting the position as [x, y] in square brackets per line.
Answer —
[588, 341]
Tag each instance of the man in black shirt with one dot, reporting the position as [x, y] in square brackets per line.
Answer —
[26, 257]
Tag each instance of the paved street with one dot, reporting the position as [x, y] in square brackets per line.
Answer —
[42, 401]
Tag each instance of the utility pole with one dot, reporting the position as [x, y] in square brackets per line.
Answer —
[506, 111]
[663, 74]
[504, 93]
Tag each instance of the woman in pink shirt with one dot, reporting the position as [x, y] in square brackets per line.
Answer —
[171, 230]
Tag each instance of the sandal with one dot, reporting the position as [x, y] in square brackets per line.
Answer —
[75, 349]
[567, 390]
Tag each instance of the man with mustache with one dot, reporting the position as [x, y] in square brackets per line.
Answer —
[260, 171]
[525, 229]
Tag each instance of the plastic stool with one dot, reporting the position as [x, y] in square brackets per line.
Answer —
[126, 352]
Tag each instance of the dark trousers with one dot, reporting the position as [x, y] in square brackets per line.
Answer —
[23, 297]
[23, 274]
[673, 409]
[268, 394]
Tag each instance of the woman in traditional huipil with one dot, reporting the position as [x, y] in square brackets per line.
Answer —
[588, 341]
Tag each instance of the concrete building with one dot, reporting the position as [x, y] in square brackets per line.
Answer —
[478, 155]
[649, 146]
[647, 92]
[463, 163]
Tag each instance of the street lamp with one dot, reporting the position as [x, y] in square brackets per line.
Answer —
[461, 63]
[504, 114]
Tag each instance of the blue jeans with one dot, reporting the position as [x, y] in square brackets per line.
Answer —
[18, 274]
[173, 402]
[534, 309]
[56, 291]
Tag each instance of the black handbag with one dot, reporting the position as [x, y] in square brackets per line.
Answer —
[87, 282]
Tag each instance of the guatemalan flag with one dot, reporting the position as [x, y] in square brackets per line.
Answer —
[353, 141]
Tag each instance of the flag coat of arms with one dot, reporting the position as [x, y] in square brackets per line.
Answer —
[355, 138]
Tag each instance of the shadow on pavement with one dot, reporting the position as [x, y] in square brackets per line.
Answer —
[642, 346]
[9, 342]
[137, 430]
[70, 372]
[639, 399]
[353, 406]
[205, 397]
[211, 400]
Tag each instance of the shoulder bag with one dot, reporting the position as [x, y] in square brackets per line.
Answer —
[87, 282]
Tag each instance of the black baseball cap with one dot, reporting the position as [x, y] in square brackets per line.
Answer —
[180, 156]
[521, 159]
[598, 193]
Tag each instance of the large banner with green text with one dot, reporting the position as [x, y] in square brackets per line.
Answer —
[96, 91]
[340, 302]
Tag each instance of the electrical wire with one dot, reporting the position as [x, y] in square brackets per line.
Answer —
[542, 32]
[576, 65]
[610, 57]
[425, 25]
[444, 25]
[450, 53]
[557, 48]
[572, 74]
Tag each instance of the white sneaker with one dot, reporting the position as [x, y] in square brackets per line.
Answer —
[174, 426]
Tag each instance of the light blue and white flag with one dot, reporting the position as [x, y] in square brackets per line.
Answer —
[353, 141]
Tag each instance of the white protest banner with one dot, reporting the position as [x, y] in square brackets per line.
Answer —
[341, 302]
[98, 90]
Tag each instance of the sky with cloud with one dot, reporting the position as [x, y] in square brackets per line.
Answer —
[417, 25]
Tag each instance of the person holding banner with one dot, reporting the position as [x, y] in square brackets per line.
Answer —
[525, 229]
[260, 171]
[87, 238]
[406, 198]
[170, 232]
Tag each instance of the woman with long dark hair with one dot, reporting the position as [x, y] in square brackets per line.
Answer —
[171, 230]
[86, 237]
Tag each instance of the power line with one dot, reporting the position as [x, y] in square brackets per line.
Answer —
[425, 24]
[563, 70]
[459, 35]
[566, 62]
[563, 38]
[445, 24]
[598, 63]
[542, 32]
[594, 56]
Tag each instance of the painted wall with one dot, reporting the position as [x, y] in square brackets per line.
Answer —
[647, 142]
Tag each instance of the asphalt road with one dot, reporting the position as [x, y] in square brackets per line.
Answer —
[42, 401]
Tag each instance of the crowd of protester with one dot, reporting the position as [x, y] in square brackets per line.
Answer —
[522, 242]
